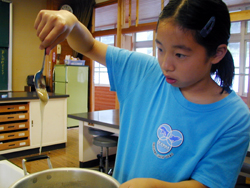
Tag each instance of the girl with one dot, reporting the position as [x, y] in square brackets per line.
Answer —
[178, 126]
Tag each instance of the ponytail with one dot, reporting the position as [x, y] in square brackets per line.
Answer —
[224, 71]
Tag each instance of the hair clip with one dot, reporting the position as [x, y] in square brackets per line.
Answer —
[208, 27]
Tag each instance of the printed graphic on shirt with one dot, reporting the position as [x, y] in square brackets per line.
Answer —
[167, 139]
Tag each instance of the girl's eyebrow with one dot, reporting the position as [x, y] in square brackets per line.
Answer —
[157, 41]
[183, 47]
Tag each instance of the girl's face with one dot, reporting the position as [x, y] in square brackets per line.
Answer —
[183, 61]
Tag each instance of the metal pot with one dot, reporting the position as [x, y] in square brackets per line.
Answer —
[64, 177]
[67, 177]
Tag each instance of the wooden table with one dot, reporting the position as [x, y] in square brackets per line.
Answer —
[107, 120]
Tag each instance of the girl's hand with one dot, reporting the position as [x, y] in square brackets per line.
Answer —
[154, 183]
[138, 182]
[53, 27]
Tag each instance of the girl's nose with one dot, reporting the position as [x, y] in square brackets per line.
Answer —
[167, 64]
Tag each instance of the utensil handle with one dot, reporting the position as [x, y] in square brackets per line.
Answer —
[44, 57]
[35, 158]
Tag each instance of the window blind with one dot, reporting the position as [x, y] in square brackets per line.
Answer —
[148, 10]
[106, 17]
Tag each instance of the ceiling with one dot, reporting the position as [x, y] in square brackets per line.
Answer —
[236, 2]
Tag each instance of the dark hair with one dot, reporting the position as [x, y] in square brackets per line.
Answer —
[195, 15]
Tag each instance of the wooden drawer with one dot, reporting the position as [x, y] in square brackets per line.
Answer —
[14, 144]
[14, 117]
[13, 135]
[14, 126]
[14, 108]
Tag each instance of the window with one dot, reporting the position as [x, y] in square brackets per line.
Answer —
[239, 47]
[100, 72]
[248, 26]
[235, 27]
[235, 51]
[246, 68]
[144, 42]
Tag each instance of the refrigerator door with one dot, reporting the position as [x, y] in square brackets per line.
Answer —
[59, 73]
[60, 87]
[77, 89]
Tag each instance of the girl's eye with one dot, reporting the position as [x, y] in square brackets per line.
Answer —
[159, 49]
[180, 55]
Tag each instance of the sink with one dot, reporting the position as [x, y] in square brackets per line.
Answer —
[9, 173]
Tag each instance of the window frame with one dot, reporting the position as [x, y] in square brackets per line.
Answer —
[242, 38]
[100, 66]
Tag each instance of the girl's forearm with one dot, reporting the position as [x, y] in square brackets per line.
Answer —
[154, 183]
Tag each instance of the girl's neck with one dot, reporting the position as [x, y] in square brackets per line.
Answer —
[205, 94]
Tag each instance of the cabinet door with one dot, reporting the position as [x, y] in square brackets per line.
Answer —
[54, 124]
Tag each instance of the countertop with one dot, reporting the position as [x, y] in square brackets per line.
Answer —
[109, 118]
[21, 95]
[2, 158]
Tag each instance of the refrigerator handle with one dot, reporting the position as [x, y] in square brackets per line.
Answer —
[53, 86]
[66, 74]
[66, 88]
[53, 74]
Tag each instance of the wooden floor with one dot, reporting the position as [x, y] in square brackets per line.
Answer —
[65, 157]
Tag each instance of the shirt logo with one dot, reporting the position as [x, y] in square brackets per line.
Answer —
[167, 139]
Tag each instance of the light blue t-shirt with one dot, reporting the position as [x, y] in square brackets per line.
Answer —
[164, 136]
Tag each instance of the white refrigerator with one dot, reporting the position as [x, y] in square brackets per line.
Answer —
[73, 81]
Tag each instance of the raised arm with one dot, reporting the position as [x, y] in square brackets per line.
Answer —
[55, 26]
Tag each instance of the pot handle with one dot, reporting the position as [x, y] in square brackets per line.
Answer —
[35, 158]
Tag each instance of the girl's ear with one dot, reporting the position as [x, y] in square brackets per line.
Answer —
[220, 53]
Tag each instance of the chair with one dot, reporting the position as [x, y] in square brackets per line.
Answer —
[103, 139]
[244, 172]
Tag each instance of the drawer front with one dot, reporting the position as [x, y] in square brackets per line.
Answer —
[14, 126]
[13, 135]
[14, 117]
[14, 144]
[14, 108]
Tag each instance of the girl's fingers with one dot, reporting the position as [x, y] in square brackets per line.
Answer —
[54, 43]
[41, 21]
[52, 35]
[38, 19]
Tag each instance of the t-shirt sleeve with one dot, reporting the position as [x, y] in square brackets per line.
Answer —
[220, 166]
[126, 69]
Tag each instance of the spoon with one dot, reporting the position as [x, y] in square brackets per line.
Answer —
[40, 83]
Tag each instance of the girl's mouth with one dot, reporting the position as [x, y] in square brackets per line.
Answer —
[170, 80]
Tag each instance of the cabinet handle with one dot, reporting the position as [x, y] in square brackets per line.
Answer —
[11, 135]
[11, 126]
[11, 108]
